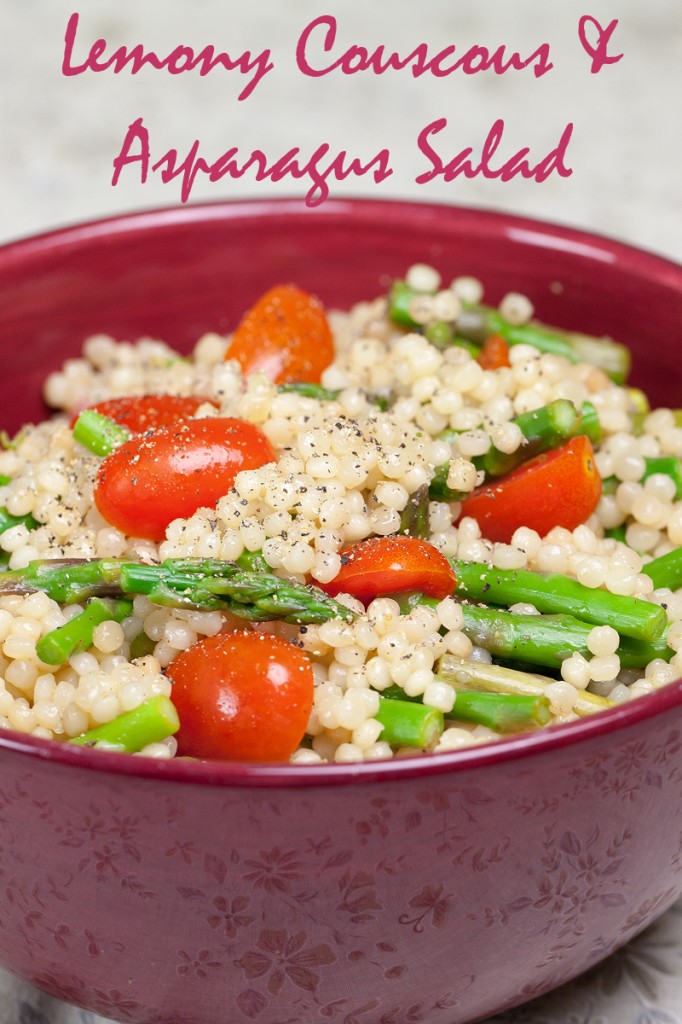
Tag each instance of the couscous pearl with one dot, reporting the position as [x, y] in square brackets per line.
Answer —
[439, 695]
[562, 697]
[604, 667]
[423, 277]
[108, 636]
[576, 671]
[516, 308]
[603, 640]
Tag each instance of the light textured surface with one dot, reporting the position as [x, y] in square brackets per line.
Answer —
[61, 135]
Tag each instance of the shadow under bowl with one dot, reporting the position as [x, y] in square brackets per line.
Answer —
[440, 889]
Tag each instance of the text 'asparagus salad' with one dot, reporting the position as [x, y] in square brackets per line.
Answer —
[418, 526]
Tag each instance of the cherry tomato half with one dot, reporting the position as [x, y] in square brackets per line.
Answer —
[286, 335]
[494, 353]
[392, 565]
[559, 488]
[139, 413]
[169, 473]
[243, 696]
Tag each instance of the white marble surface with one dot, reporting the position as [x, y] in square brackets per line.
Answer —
[60, 135]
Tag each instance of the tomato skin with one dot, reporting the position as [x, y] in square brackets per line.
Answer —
[558, 488]
[494, 353]
[285, 335]
[243, 696]
[139, 413]
[169, 473]
[392, 565]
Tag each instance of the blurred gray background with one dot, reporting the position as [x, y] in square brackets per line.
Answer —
[59, 135]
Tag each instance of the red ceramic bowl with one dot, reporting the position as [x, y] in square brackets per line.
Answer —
[438, 889]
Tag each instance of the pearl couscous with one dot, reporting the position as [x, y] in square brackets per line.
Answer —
[393, 406]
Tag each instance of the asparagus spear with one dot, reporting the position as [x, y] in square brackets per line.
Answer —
[308, 390]
[477, 322]
[543, 429]
[98, 433]
[408, 724]
[322, 394]
[501, 712]
[666, 571]
[202, 584]
[65, 580]
[141, 646]
[7, 521]
[481, 677]
[442, 335]
[556, 593]
[59, 644]
[414, 519]
[547, 639]
[151, 722]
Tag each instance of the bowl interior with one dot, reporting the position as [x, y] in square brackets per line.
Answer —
[176, 273]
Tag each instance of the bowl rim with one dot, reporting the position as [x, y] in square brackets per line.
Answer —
[520, 228]
[616, 720]
[523, 229]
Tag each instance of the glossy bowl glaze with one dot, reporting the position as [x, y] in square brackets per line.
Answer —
[436, 890]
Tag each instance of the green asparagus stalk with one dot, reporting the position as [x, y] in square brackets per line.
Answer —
[151, 722]
[589, 424]
[202, 584]
[501, 712]
[408, 724]
[400, 299]
[481, 677]
[547, 639]
[308, 390]
[556, 593]
[98, 433]
[442, 335]
[414, 519]
[322, 394]
[609, 356]
[141, 646]
[666, 571]
[439, 489]
[477, 322]
[65, 580]
[543, 429]
[76, 635]
[7, 521]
